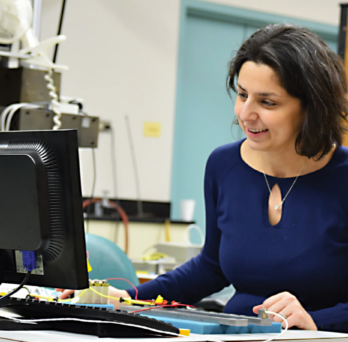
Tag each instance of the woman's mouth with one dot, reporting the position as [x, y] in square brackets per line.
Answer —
[254, 131]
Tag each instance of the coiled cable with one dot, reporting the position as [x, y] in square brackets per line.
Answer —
[54, 100]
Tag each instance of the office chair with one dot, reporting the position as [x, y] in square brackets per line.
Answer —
[109, 261]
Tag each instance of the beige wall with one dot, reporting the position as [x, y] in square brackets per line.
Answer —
[141, 236]
[122, 58]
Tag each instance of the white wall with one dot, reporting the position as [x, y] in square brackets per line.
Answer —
[122, 58]
[324, 11]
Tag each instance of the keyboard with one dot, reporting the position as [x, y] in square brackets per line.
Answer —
[81, 319]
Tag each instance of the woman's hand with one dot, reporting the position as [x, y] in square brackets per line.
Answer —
[288, 305]
[116, 293]
[65, 293]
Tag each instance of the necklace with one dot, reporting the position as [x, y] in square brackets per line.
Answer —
[276, 207]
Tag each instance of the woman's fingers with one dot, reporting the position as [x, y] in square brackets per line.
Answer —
[289, 306]
[257, 308]
[65, 293]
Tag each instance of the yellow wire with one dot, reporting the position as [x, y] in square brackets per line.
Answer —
[59, 300]
[127, 300]
[103, 295]
[43, 297]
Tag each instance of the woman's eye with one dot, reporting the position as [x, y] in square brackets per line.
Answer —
[268, 103]
[243, 95]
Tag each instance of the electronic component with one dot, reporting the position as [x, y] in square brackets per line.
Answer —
[29, 260]
[202, 316]
[26, 117]
[99, 296]
[42, 119]
[138, 326]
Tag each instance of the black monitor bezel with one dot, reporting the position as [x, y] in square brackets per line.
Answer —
[69, 269]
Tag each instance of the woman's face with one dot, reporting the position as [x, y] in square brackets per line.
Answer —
[269, 116]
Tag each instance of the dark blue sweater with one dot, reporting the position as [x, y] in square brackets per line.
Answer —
[306, 253]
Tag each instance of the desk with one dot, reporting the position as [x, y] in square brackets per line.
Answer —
[55, 336]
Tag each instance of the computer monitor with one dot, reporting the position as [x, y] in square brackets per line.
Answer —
[41, 208]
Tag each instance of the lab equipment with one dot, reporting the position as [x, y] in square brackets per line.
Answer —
[30, 90]
[203, 322]
[203, 316]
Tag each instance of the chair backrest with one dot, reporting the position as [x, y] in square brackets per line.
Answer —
[109, 261]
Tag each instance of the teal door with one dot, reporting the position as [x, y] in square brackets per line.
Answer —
[210, 35]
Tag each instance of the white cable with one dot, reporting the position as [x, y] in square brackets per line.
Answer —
[3, 117]
[286, 325]
[54, 99]
[8, 113]
[9, 117]
[33, 321]
[187, 237]
[14, 110]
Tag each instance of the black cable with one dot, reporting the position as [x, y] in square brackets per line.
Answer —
[114, 173]
[16, 289]
[94, 173]
[59, 30]
[113, 162]
[93, 187]
[135, 168]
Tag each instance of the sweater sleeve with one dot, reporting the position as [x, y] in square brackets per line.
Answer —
[332, 319]
[202, 275]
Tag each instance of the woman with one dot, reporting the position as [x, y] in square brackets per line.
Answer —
[277, 202]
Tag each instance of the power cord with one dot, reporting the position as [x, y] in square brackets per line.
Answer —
[8, 113]
[88, 211]
[135, 168]
[113, 163]
[114, 177]
[16, 289]
[286, 325]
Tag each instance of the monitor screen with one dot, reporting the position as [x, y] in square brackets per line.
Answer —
[41, 208]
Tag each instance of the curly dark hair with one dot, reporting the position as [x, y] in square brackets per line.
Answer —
[308, 70]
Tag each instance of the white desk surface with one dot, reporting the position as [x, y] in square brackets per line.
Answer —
[55, 336]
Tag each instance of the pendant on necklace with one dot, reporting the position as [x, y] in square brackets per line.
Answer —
[276, 207]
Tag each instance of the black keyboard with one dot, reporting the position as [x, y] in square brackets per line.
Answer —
[36, 309]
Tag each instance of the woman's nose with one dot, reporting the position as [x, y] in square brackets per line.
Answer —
[248, 111]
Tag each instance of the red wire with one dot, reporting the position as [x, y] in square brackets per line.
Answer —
[152, 307]
[136, 290]
[149, 300]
